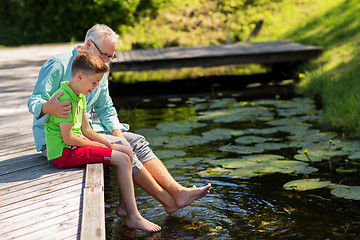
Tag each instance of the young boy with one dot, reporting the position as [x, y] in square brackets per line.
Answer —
[66, 148]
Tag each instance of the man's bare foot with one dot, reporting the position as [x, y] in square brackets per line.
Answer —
[188, 195]
[142, 224]
[170, 210]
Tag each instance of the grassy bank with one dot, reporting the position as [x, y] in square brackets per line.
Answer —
[333, 78]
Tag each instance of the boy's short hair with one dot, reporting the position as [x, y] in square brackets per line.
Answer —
[87, 63]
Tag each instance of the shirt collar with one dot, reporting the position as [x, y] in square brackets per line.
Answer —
[73, 96]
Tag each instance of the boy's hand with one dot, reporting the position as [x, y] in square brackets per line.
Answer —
[57, 108]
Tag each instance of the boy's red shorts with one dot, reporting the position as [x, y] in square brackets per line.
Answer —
[78, 156]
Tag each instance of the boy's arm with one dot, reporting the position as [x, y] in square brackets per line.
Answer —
[88, 132]
[72, 140]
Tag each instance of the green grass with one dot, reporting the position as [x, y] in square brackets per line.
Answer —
[332, 78]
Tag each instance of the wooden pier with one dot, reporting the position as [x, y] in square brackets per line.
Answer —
[37, 200]
[274, 52]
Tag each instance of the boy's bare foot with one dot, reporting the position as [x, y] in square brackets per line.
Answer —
[188, 195]
[142, 224]
[121, 211]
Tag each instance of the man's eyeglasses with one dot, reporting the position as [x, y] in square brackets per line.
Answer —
[103, 55]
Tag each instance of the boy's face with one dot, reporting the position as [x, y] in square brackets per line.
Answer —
[89, 82]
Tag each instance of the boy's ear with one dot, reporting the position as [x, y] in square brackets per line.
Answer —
[79, 76]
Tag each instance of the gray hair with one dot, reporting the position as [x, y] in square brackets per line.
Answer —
[99, 31]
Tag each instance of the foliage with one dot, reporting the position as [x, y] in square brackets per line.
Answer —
[40, 21]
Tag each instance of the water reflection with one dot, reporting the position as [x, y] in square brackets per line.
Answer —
[244, 207]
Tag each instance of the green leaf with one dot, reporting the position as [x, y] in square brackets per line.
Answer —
[306, 184]
[347, 192]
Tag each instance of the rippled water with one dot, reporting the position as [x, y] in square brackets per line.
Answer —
[238, 208]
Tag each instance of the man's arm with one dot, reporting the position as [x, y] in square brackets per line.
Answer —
[106, 112]
[55, 107]
[48, 82]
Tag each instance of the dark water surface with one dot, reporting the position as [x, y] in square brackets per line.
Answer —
[238, 208]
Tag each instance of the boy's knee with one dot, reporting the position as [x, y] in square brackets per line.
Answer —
[128, 151]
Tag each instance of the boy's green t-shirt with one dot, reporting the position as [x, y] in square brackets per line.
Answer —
[54, 140]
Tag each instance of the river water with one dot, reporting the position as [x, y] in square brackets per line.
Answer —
[242, 206]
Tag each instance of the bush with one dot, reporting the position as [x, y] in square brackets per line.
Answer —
[42, 21]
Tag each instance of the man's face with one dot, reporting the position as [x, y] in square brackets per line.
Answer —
[104, 49]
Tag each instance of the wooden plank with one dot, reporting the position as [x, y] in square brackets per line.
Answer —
[69, 204]
[38, 197]
[93, 216]
[38, 187]
[41, 229]
[45, 179]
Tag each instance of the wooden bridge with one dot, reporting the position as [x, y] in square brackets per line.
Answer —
[275, 52]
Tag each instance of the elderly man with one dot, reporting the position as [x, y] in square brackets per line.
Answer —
[149, 172]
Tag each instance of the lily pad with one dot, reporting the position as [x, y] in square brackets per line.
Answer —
[158, 140]
[233, 115]
[165, 154]
[249, 171]
[314, 156]
[181, 141]
[250, 139]
[183, 162]
[261, 131]
[306, 184]
[355, 155]
[348, 192]
[346, 170]
[222, 162]
[221, 103]
[149, 132]
[178, 127]
[284, 121]
[221, 134]
[293, 128]
[263, 157]
[241, 149]
[271, 146]
[240, 163]
[213, 171]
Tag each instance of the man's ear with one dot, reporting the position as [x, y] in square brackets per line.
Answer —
[88, 44]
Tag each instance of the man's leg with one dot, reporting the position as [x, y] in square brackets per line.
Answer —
[144, 180]
[158, 172]
[183, 196]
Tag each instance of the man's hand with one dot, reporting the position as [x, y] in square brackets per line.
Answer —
[118, 133]
[56, 108]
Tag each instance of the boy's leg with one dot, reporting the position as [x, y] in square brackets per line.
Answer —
[137, 165]
[123, 163]
[144, 180]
